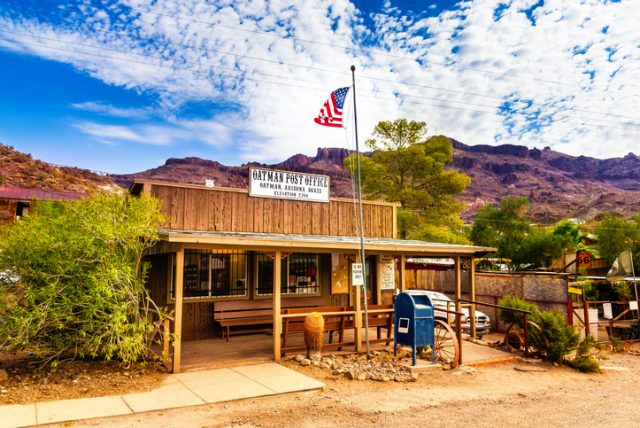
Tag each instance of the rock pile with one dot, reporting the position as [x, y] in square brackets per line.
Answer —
[380, 366]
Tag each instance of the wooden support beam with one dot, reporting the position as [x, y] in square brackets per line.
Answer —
[358, 317]
[277, 316]
[394, 231]
[403, 273]
[458, 307]
[177, 347]
[472, 286]
[378, 299]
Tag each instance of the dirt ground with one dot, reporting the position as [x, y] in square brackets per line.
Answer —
[26, 381]
[514, 394]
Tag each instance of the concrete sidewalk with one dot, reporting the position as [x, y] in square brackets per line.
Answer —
[179, 390]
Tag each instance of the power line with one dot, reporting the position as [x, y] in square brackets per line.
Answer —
[326, 70]
[104, 48]
[245, 77]
[234, 70]
[380, 52]
[364, 76]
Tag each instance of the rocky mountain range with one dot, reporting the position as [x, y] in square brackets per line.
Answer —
[557, 185]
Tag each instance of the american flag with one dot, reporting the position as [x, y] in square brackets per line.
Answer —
[331, 111]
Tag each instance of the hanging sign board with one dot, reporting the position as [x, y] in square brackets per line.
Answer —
[386, 267]
[357, 277]
[267, 183]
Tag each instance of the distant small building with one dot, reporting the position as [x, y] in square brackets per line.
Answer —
[16, 201]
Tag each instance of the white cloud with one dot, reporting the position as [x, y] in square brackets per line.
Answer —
[216, 133]
[109, 110]
[573, 85]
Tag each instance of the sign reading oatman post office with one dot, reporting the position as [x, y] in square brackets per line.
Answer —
[267, 183]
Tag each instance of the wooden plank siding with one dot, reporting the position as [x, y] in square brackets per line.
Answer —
[233, 210]
[8, 209]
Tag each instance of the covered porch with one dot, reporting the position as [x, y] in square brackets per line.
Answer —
[386, 276]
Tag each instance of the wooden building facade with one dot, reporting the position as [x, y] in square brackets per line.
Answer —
[225, 249]
[15, 202]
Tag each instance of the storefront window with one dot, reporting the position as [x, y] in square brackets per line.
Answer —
[214, 273]
[299, 275]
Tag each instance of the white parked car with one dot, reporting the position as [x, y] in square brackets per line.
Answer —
[442, 301]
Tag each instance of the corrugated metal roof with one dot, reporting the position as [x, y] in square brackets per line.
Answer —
[284, 241]
[20, 193]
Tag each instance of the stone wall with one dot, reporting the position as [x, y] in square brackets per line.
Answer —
[548, 291]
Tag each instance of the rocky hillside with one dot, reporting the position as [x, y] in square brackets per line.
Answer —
[21, 170]
[557, 185]
[196, 171]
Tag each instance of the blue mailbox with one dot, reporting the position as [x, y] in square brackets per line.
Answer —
[414, 322]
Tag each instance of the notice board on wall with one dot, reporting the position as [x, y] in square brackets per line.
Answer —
[339, 274]
[387, 269]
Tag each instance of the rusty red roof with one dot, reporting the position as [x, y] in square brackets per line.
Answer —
[31, 194]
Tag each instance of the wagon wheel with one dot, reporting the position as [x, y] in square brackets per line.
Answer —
[446, 346]
[513, 337]
[537, 330]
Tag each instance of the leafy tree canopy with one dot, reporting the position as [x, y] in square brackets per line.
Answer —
[570, 236]
[409, 168]
[616, 235]
[76, 282]
[507, 228]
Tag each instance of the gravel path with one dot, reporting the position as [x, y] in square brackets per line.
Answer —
[507, 395]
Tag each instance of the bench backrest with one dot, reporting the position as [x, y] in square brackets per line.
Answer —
[241, 313]
[331, 322]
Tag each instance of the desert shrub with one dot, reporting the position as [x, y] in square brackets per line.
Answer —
[617, 344]
[511, 317]
[78, 283]
[583, 360]
[555, 339]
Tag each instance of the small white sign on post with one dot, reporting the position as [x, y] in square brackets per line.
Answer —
[357, 276]
[607, 310]
[633, 305]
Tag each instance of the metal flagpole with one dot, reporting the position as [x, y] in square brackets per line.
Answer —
[364, 270]
[633, 271]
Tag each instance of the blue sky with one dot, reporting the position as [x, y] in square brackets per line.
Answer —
[122, 85]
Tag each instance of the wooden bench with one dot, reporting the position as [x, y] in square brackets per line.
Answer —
[260, 321]
[249, 316]
[334, 323]
[379, 320]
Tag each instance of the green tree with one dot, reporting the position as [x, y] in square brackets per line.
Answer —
[507, 228]
[76, 282]
[538, 248]
[408, 168]
[503, 227]
[616, 235]
[569, 235]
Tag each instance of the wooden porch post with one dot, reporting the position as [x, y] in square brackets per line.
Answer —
[458, 307]
[277, 316]
[358, 316]
[403, 273]
[472, 284]
[177, 347]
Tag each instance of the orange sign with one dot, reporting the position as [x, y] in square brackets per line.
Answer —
[583, 259]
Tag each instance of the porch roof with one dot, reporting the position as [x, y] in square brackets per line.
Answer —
[318, 243]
